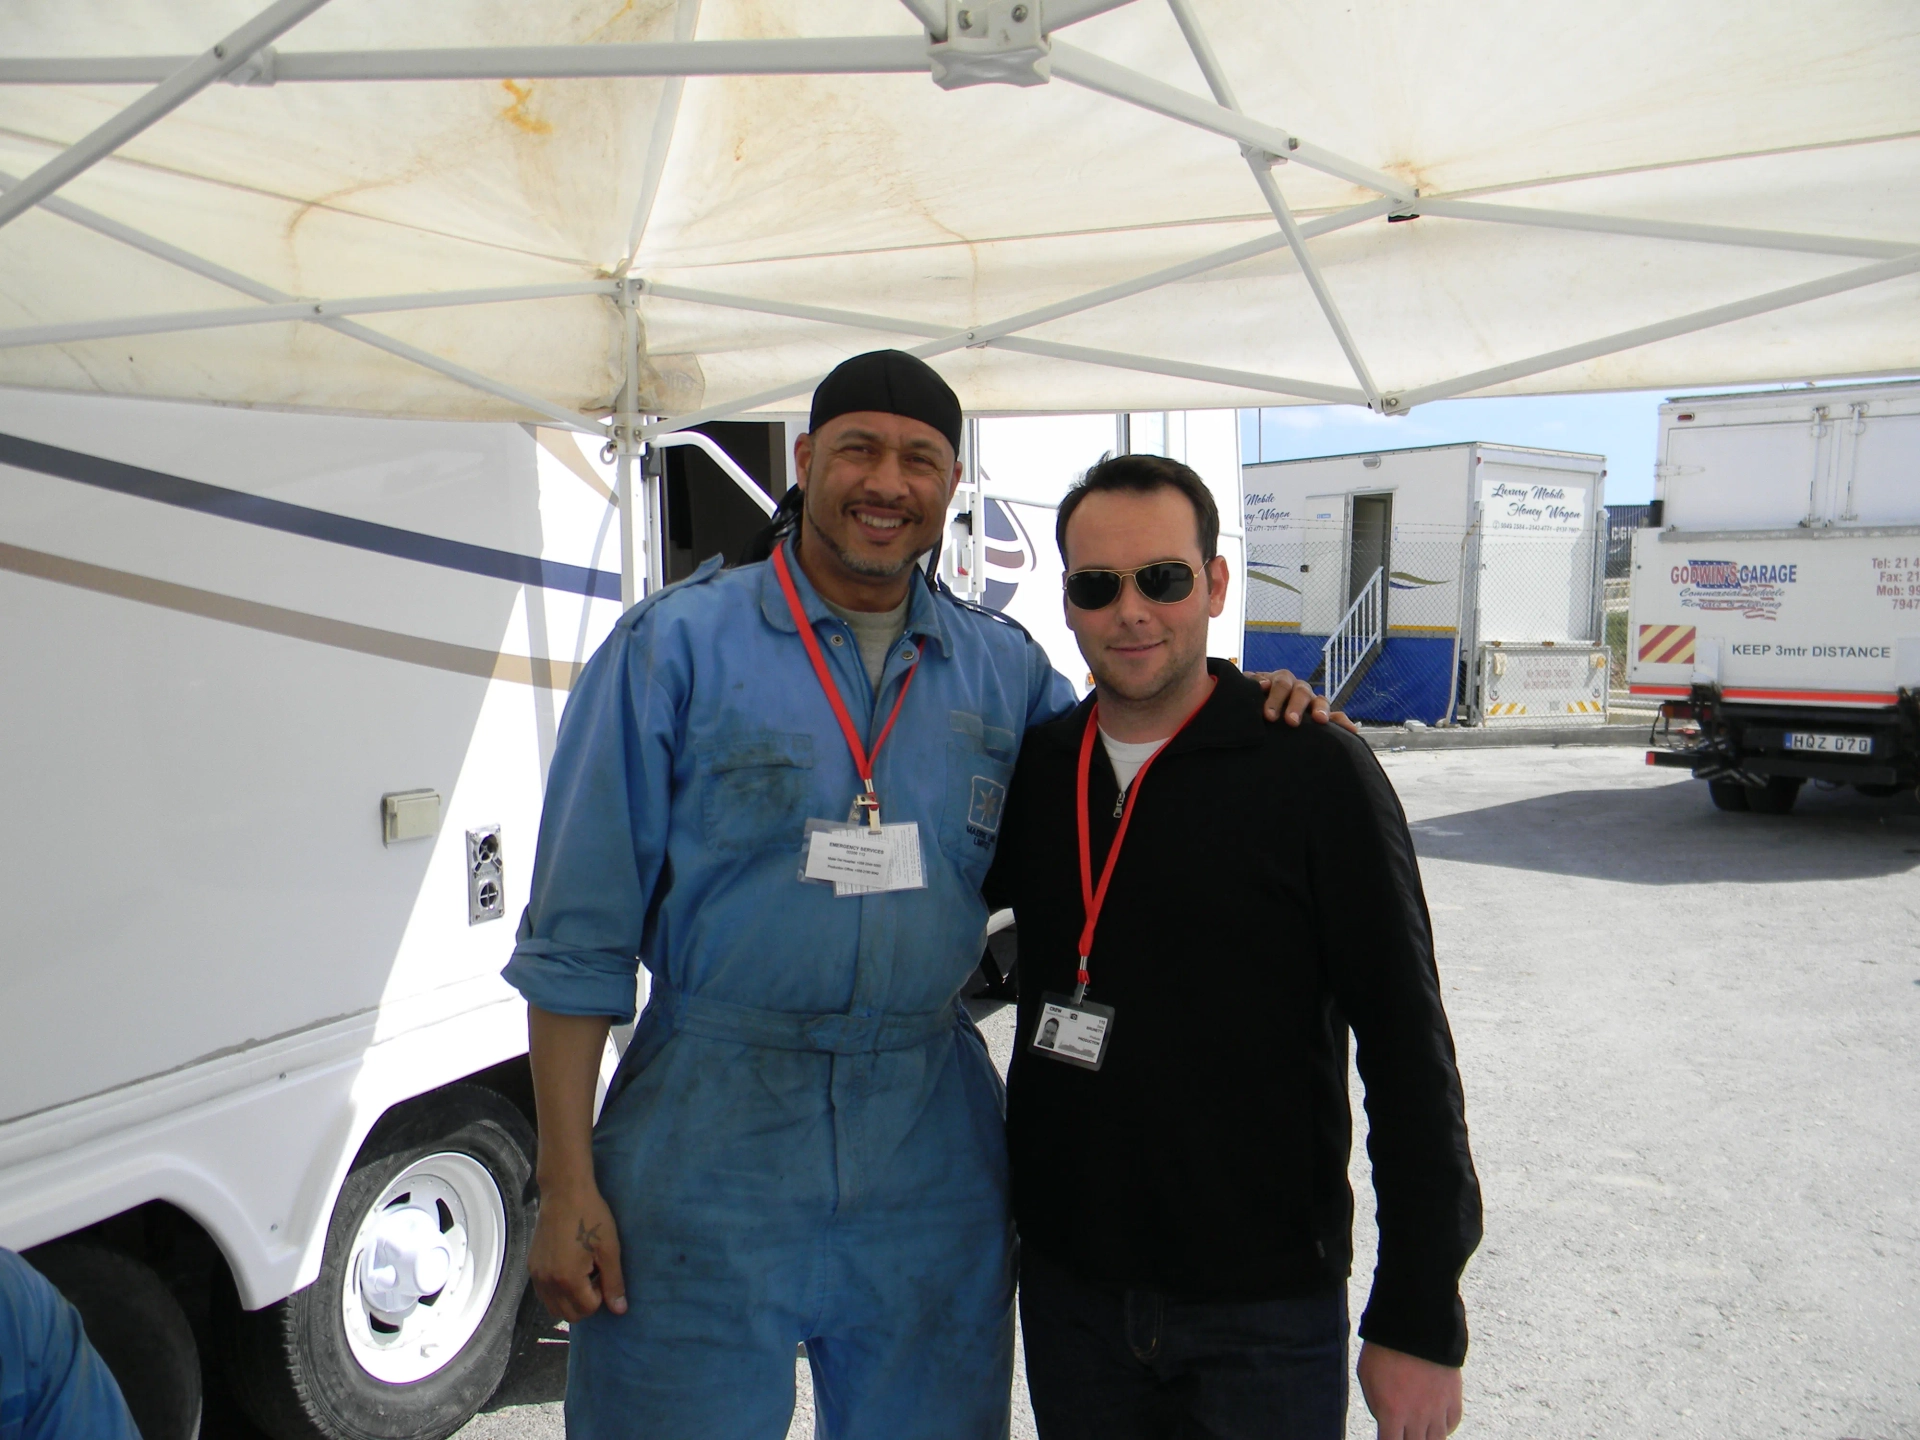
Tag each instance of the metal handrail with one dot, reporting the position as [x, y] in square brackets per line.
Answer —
[1354, 638]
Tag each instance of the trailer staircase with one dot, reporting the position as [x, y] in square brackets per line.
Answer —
[1355, 643]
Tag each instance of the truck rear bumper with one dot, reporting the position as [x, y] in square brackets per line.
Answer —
[1844, 772]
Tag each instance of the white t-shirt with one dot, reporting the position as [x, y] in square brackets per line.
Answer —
[1127, 756]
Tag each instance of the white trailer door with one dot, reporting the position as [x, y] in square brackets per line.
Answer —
[1741, 477]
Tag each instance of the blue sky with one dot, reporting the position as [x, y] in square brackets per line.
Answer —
[1623, 427]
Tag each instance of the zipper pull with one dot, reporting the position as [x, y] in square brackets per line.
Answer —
[1119, 804]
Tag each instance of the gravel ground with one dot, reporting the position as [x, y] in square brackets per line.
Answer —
[1691, 1048]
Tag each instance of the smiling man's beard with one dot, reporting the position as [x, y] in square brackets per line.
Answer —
[858, 564]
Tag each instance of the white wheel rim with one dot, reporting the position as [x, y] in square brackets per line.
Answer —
[424, 1268]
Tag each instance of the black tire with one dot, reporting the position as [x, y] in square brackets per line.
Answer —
[1776, 797]
[1728, 794]
[1879, 792]
[292, 1365]
[139, 1329]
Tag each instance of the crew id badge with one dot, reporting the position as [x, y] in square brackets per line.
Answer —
[1073, 1032]
[859, 860]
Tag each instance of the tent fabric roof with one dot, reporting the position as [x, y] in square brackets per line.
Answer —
[935, 211]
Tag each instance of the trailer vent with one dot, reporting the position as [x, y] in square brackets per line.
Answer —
[486, 876]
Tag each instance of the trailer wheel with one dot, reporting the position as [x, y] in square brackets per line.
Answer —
[1727, 794]
[410, 1325]
[139, 1329]
[1776, 797]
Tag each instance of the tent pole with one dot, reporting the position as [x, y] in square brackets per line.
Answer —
[1664, 229]
[1261, 166]
[1060, 13]
[976, 518]
[635, 527]
[1666, 329]
[1180, 369]
[809, 55]
[166, 97]
[1094, 73]
[233, 280]
[1060, 309]
[932, 14]
[295, 310]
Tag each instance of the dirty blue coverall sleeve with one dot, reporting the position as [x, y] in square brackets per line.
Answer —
[603, 829]
[804, 1140]
[53, 1383]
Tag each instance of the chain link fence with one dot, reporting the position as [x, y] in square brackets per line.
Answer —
[1497, 627]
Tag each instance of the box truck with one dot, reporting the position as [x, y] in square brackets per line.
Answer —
[1449, 583]
[1775, 606]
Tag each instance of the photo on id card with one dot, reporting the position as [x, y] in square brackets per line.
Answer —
[1074, 1032]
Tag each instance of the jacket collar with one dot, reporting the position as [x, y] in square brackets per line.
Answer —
[924, 616]
[1231, 717]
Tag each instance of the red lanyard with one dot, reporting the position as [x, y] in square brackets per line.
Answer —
[863, 763]
[1091, 900]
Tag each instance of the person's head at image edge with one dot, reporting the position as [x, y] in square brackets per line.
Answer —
[1147, 647]
[875, 472]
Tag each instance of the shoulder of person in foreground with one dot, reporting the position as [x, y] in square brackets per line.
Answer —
[53, 1383]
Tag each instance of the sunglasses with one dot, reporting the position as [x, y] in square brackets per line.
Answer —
[1164, 582]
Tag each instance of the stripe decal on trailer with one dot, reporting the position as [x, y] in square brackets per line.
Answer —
[295, 624]
[1666, 644]
[292, 519]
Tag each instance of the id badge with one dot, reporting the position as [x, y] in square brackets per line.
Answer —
[1072, 1032]
[858, 860]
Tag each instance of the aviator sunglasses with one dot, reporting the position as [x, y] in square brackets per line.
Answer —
[1164, 582]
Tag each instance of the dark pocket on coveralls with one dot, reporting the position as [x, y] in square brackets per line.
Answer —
[755, 790]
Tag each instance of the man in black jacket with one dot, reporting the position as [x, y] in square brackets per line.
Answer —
[1177, 1113]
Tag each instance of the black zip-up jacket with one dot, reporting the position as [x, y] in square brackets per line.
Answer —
[1267, 899]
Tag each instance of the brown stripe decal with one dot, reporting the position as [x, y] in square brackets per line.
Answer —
[295, 624]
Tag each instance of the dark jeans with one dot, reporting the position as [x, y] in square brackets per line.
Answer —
[1107, 1364]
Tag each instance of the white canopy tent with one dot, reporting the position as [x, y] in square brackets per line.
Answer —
[571, 210]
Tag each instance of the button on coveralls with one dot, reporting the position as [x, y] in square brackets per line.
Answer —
[804, 1140]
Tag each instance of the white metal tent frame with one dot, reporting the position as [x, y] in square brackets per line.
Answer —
[966, 42]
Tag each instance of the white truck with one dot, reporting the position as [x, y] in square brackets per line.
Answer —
[279, 692]
[1775, 608]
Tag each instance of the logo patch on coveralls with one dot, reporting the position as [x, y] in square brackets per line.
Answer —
[983, 809]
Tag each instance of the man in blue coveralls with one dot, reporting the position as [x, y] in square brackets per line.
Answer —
[779, 786]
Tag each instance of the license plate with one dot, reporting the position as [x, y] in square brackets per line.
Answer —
[1831, 744]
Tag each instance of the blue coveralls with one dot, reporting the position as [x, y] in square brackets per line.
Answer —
[53, 1384]
[804, 1141]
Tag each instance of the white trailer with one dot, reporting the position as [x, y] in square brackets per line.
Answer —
[1776, 592]
[1447, 584]
[280, 692]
